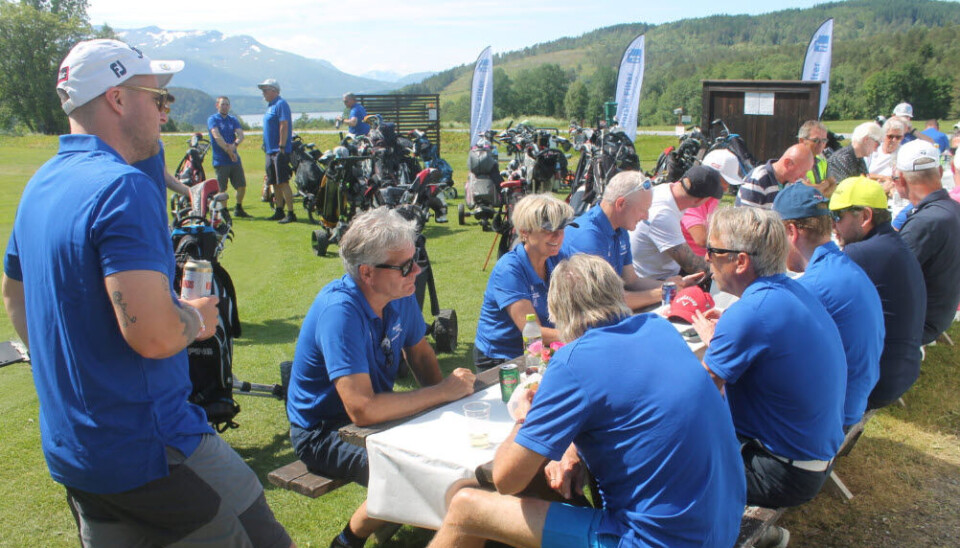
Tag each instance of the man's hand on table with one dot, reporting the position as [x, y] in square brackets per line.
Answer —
[704, 323]
[458, 384]
[566, 476]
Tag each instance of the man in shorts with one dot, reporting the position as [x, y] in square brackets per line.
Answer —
[278, 144]
[140, 464]
[225, 136]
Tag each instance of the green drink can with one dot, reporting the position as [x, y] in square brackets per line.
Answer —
[509, 379]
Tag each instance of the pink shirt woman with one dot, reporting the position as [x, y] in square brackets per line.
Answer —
[694, 225]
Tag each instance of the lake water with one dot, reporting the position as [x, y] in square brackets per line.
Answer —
[256, 120]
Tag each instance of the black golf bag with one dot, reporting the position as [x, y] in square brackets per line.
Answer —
[483, 184]
[211, 360]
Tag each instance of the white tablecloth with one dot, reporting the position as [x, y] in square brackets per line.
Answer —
[413, 466]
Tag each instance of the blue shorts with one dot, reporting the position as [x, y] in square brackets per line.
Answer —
[575, 527]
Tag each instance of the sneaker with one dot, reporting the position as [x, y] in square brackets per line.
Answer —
[441, 218]
[239, 212]
[277, 215]
[290, 218]
[339, 542]
[774, 537]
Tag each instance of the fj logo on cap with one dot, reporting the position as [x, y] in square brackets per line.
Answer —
[118, 68]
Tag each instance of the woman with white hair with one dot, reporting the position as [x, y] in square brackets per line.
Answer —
[880, 163]
[848, 161]
[519, 281]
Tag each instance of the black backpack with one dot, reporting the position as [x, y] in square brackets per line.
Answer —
[211, 360]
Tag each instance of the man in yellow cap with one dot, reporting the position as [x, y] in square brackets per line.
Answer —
[862, 226]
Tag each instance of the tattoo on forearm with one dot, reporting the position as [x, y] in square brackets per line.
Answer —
[120, 305]
[190, 324]
[165, 281]
[687, 259]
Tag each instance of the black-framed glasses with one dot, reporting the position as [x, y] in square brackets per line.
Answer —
[404, 268]
[160, 95]
[817, 141]
[721, 251]
[837, 214]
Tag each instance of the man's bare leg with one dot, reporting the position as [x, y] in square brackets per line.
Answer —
[362, 524]
[475, 515]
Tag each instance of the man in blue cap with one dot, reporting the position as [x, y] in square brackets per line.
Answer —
[843, 287]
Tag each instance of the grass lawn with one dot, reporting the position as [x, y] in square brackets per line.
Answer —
[905, 472]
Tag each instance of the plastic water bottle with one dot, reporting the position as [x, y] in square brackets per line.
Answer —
[531, 334]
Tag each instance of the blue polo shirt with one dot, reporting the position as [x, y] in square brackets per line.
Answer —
[932, 232]
[156, 168]
[785, 385]
[277, 111]
[596, 236]
[652, 429]
[227, 126]
[106, 412]
[512, 279]
[895, 272]
[851, 299]
[939, 137]
[358, 112]
[341, 336]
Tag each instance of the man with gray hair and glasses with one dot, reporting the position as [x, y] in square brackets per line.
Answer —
[604, 231]
[349, 351]
[778, 355]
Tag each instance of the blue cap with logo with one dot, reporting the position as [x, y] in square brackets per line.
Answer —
[799, 201]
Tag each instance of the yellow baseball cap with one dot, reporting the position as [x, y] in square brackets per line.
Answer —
[858, 192]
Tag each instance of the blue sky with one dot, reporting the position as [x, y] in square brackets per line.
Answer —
[407, 36]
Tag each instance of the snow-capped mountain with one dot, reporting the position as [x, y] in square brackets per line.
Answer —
[233, 65]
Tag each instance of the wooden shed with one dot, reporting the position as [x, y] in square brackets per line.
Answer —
[766, 113]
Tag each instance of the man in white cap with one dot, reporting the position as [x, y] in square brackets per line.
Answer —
[931, 231]
[88, 276]
[278, 144]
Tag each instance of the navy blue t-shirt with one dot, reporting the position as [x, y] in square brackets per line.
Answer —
[227, 126]
[852, 301]
[341, 335]
[782, 358]
[896, 274]
[512, 279]
[932, 232]
[596, 236]
[651, 427]
[106, 412]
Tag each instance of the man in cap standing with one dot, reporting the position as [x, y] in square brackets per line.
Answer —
[842, 286]
[657, 243]
[140, 464]
[278, 144]
[931, 231]
[862, 225]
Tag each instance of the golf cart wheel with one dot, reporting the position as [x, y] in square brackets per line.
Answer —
[445, 330]
[320, 240]
[461, 214]
[451, 193]
[497, 222]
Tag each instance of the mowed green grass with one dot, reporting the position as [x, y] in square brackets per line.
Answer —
[899, 464]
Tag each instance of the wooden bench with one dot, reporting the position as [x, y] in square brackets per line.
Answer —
[754, 523]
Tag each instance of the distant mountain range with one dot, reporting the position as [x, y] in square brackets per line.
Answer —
[218, 64]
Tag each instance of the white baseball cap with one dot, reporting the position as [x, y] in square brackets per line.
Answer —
[918, 155]
[94, 66]
[903, 109]
[726, 163]
[270, 83]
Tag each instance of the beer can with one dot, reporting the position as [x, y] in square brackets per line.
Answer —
[668, 292]
[197, 279]
[509, 380]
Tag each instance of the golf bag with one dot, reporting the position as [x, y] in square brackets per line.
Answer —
[483, 184]
[190, 169]
[428, 153]
[211, 360]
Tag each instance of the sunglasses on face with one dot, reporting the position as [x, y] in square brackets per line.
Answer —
[404, 268]
[721, 251]
[160, 96]
[894, 137]
[838, 214]
[816, 141]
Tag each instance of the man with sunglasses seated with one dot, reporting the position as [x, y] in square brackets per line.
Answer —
[778, 355]
[348, 355]
[843, 287]
[862, 225]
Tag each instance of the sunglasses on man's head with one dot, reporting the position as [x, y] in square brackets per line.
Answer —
[159, 93]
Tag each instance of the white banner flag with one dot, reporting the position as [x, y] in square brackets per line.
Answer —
[481, 96]
[816, 65]
[629, 80]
